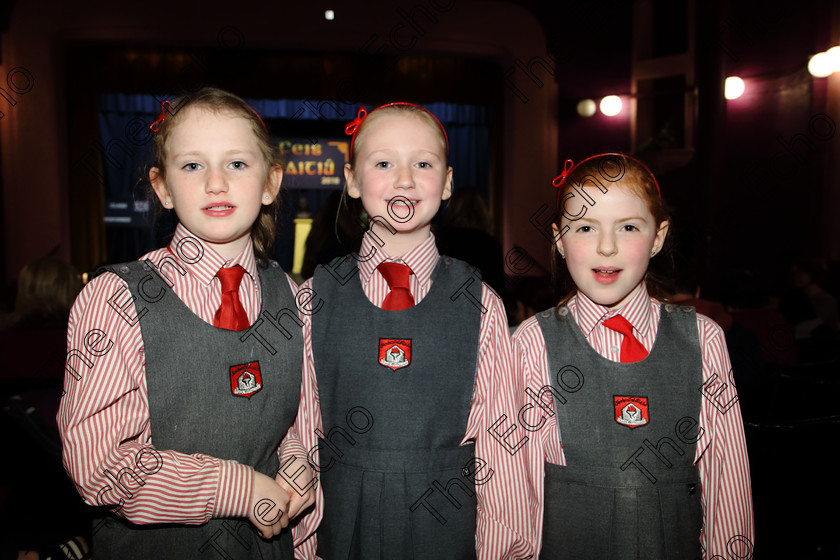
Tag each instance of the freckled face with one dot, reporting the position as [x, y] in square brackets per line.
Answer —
[607, 250]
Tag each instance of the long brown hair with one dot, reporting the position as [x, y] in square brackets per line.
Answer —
[218, 100]
[611, 171]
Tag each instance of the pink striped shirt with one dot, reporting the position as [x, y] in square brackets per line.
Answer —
[104, 413]
[498, 534]
[728, 529]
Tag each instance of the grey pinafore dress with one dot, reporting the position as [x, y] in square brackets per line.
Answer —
[630, 489]
[395, 391]
[222, 393]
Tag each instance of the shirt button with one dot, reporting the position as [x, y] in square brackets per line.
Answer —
[613, 349]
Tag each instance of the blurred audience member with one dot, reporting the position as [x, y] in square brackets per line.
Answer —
[744, 346]
[531, 295]
[466, 236]
[35, 338]
[745, 298]
[812, 311]
[34, 346]
[336, 231]
[808, 276]
[46, 290]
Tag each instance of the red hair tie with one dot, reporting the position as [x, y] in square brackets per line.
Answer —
[569, 166]
[352, 127]
[155, 126]
[560, 179]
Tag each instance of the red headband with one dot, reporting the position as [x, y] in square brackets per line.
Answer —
[155, 126]
[351, 128]
[569, 167]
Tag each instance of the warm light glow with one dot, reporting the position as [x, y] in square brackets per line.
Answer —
[611, 105]
[329, 15]
[820, 65]
[733, 88]
[302, 228]
[586, 108]
[834, 58]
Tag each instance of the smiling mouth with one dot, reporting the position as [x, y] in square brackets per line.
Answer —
[402, 202]
[219, 208]
[606, 275]
[606, 271]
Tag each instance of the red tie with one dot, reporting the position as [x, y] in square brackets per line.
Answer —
[631, 349]
[396, 274]
[231, 315]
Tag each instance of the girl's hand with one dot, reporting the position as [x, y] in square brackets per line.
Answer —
[298, 502]
[269, 506]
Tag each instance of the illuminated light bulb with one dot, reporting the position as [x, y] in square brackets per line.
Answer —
[834, 58]
[586, 108]
[329, 15]
[733, 88]
[611, 105]
[820, 65]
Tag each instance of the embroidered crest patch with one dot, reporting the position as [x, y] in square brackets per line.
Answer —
[395, 353]
[631, 411]
[245, 379]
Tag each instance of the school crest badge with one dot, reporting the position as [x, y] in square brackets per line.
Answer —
[630, 411]
[245, 379]
[395, 353]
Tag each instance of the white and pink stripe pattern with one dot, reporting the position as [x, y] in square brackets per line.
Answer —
[104, 415]
[721, 450]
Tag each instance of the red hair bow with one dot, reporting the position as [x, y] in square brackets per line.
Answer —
[560, 179]
[155, 126]
[351, 127]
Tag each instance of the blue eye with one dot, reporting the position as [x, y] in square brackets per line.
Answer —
[382, 164]
[238, 165]
[424, 165]
[191, 167]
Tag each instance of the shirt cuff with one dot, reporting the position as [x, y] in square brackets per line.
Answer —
[234, 492]
[292, 446]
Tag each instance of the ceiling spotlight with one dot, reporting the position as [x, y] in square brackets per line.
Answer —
[586, 108]
[733, 88]
[611, 105]
[329, 15]
[820, 65]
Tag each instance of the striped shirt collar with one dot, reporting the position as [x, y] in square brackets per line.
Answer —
[421, 260]
[589, 314]
[202, 261]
